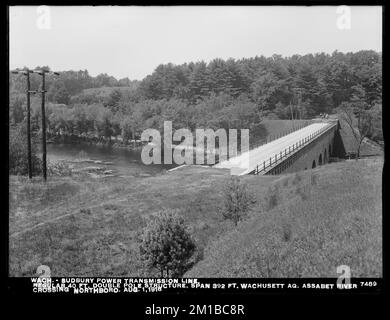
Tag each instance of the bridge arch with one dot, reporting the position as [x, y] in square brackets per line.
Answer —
[320, 160]
[314, 164]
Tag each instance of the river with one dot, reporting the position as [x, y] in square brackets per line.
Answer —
[124, 161]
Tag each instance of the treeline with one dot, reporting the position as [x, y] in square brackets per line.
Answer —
[69, 83]
[100, 120]
[316, 83]
[219, 94]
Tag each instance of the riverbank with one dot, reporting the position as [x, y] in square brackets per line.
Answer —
[118, 143]
[114, 142]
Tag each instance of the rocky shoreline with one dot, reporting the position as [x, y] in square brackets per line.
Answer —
[80, 166]
[83, 166]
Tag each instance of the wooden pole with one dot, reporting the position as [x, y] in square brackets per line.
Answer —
[44, 168]
[28, 128]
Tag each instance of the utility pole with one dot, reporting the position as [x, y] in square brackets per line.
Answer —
[28, 127]
[42, 91]
[27, 72]
[44, 169]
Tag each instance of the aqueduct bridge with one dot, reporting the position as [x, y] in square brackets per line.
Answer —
[305, 148]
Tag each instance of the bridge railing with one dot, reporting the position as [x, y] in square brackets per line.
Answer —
[290, 150]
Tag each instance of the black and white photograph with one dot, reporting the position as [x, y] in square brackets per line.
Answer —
[163, 148]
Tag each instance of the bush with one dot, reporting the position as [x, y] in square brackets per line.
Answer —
[18, 162]
[272, 197]
[236, 200]
[166, 244]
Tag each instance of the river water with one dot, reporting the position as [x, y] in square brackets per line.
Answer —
[124, 161]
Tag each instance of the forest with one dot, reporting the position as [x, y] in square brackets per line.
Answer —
[218, 94]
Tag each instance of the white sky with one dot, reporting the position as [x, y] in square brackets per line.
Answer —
[133, 41]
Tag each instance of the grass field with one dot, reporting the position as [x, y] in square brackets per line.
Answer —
[298, 226]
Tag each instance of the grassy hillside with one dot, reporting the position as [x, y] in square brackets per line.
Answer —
[323, 218]
[82, 228]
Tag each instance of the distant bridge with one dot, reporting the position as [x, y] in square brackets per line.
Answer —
[303, 149]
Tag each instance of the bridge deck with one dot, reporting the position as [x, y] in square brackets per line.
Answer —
[248, 161]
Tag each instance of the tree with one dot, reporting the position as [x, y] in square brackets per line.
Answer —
[263, 88]
[126, 126]
[166, 244]
[236, 200]
[244, 114]
[359, 120]
[113, 100]
[104, 123]
[178, 112]
[58, 93]
[18, 161]
[17, 106]
[80, 118]
[376, 111]
[198, 81]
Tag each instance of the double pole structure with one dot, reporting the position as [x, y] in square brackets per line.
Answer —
[42, 73]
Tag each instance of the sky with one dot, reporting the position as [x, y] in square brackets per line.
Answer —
[132, 41]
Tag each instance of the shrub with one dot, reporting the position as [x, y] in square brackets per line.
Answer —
[273, 197]
[166, 244]
[18, 162]
[236, 200]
